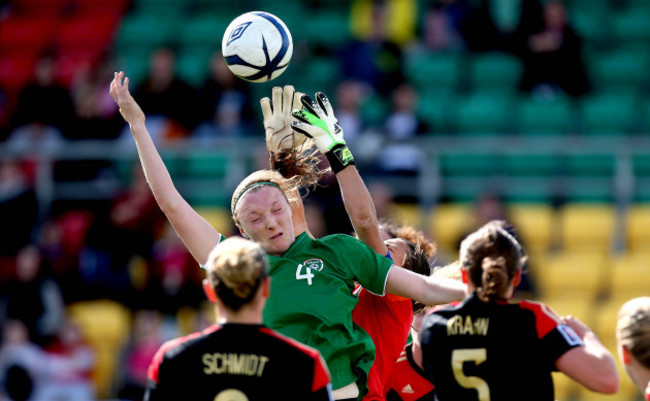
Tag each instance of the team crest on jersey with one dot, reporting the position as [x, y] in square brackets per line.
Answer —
[313, 264]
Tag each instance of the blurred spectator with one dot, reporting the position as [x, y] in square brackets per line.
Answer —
[349, 96]
[383, 197]
[399, 28]
[489, 206]
[399, 155]
[72, 362]
[443, 24]
[34, 298]
[44, 111]
[18, 207]
[169, 102]
[137, 356]
[176, 274]
[553, 56]
[135, 220]
[376, 60]
[20, 360]
[227, 103]
[97, 116]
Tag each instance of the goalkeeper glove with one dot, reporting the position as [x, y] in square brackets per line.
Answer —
[317, 121]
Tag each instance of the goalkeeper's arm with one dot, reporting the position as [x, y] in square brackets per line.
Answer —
[317, 121]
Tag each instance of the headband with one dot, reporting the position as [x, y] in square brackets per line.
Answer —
[253, 185]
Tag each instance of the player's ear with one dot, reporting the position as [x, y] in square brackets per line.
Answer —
[209, 291]
[242, 232]
[266, 287]
[625, 355]
[517, 279]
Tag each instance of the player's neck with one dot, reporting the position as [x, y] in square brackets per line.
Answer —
[416, 350]
[243, 316]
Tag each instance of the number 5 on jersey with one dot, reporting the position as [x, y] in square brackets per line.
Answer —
[308, 275]
[478, 356]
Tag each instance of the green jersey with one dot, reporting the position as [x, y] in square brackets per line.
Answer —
[312, 301]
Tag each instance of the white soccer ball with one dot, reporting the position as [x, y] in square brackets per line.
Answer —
[257, 46]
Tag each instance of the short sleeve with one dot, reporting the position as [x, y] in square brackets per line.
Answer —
[555, 338]
[366, 266]
[221, 238]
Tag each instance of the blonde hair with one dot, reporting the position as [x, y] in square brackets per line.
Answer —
[491, 256]
[633, 329]
[452, 271]
[263, 177]
[236, 267]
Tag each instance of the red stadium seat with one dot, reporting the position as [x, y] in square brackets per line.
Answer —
[40, 7]
[16, 72]
[26, 35]
[86, 31]
[101, 6]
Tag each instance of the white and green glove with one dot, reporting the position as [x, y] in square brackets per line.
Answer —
[316, 120]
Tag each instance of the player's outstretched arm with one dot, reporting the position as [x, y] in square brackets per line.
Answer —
[280, 140]
[197, 234]
[428, 290]
[316, 120]
[592, 365]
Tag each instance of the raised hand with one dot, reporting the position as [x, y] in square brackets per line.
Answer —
[129, 109]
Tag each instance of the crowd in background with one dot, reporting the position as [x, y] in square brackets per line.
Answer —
[123, 249]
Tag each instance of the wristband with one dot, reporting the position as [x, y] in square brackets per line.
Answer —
[339, 157]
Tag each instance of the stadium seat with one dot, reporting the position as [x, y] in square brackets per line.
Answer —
[536, 223]
[533, 164]
[193, 66]
[495, 72]
[469, 164]
[630, 275]
[164, 8]
[621, 71]
[435, 109]
[406, 213]
[528, 189]
[637, 227]
[106, 326]
[434, 73]
[645, 111]
[327, 28]
[27, 35]
[587, 227]
[483, 112]
[202, 32]
[16, 72]
[85, 33]
[572, 275]
[609, 113]
[447, 223]
[49, 8]
[632, 27]
[218, 217]
[545, 117]
[145, 32]
[135, 64]
[317, 74]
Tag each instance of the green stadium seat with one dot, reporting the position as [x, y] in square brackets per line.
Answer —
[435, 109]
[622, 71]
[554, 117]
[145, 32]
[529, 189]
[543, 164]
[228, 8]
[165, 8]
[641, 168]
[193, 66]
[483, 113]
[207, 165]
[469, 164]
[317, 74]
[632, 27]
[203, 31]
[645, 112]
[374, 110]
[495, 72]
[431, 72]
[135, 65]
[591, 165]
[326, 28]
[609, 113]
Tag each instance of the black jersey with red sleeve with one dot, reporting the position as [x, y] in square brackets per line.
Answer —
[237, 362]
[502, 351]
[407, 381]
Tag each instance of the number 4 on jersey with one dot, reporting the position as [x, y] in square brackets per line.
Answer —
[306, 276]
